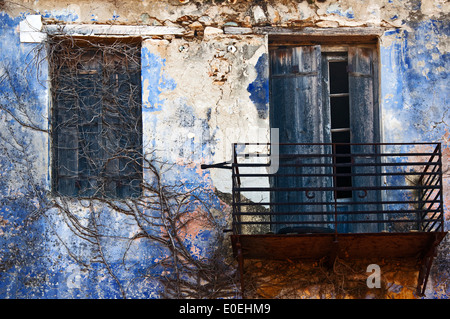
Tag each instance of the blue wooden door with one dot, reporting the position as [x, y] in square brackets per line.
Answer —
[298, 112]
[305, 109]
[364, 121]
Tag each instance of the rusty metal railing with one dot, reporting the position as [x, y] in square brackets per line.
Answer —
[337, 188]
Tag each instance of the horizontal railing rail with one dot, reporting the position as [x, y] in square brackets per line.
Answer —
[336, 187]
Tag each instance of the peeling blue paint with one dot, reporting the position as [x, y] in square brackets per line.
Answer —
[154, 80]
[22, 80]
[336, 9]
[425, 79]
[259, 89]
[61, 15]
[115, 16]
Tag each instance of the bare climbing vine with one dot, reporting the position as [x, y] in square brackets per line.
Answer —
[118, 200]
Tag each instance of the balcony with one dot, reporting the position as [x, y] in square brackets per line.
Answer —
[310, 201]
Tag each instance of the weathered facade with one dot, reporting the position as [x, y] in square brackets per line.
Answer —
[205, 83]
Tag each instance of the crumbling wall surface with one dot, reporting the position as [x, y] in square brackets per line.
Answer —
[202, 89]
[343, 279]
[243, 13]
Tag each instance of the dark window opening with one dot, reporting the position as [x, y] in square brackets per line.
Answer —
[96, 118]
[340, 124]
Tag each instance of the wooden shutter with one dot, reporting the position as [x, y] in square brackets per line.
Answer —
[89, 125]
[131, 165]
[65, 141]
[364, 127]
[297, 110]
[122, 138]
[97, 125]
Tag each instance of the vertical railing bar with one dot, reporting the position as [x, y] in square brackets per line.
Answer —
[238, 181]
[335, 191]
[421, 193]
[236, 194]
[378, 170]
[233, 195]
[269, 149]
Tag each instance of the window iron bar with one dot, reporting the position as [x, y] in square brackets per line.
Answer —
[343, 188]
[336, 174]
[374, 221]
[347, 203]
[368, 212]
[400, 164]
[311, 155]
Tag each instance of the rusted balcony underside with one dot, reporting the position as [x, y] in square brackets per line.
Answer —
[414, 245]
[419, 247]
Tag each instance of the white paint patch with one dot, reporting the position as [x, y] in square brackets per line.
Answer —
[392, 123]
[30, 29]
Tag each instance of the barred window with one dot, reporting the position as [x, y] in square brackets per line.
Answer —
[96, 118]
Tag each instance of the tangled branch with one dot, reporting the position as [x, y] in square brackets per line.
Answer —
[107, 188]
